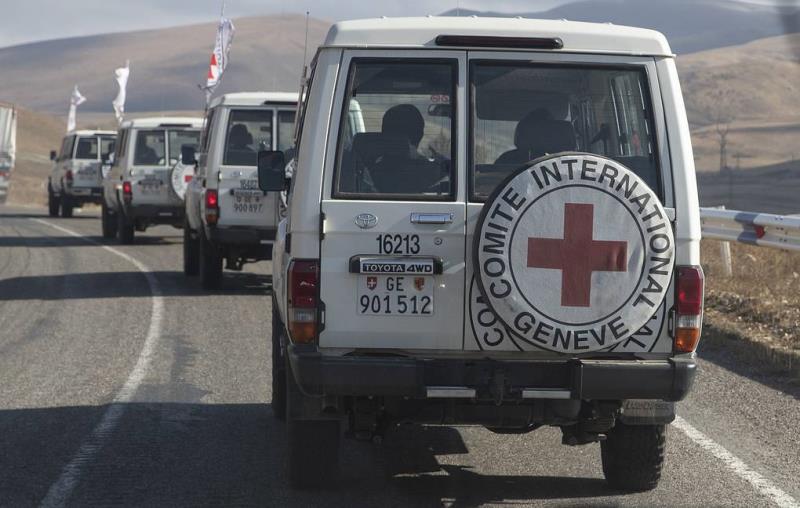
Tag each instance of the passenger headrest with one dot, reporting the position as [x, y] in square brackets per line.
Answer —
[240, 136]
[370, 146]
[406, 121]
[538, 132]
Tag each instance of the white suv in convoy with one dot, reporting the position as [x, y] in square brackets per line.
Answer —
[490, 222]
[77, 174]
[227, 216]
[136, 191]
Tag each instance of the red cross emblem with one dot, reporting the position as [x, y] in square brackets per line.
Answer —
[577, 255]
[372, 282]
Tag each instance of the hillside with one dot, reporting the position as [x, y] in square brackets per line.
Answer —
[690, 25]
[166, 65]
[37, 134]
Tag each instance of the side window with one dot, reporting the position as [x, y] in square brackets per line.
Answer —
[122, 146]
[150, 148]
[67, 148]
[305, 89]
[249, 131]
[208, 125]
[396, 132]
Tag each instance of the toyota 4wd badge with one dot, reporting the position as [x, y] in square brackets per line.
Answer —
[574, 253]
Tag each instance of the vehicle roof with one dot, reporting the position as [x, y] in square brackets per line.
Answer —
[578, 37]
[253, 98]
[90, 132]
[158, 121]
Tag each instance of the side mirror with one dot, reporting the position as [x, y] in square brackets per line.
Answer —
[271, 171]
[188, 155]
[53, 155]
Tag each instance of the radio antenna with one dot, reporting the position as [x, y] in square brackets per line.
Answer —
[305, 44]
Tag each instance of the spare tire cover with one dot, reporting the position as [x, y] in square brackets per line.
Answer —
[178, 180]
[574, 252]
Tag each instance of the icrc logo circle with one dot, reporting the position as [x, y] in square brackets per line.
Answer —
[574, 253]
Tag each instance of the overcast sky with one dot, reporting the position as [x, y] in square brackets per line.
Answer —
[33, 20]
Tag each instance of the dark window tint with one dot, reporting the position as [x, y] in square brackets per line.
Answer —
[87, 148]
[150, 148]
[249, 131]
[525, 111]
[395, 138]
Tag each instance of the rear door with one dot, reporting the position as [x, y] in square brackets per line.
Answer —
[247, 131]
[86, 163]
[393, 210]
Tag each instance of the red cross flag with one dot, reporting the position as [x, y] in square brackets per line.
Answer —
[219, 57]
[574, 253]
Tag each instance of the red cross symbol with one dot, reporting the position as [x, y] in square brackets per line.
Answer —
[577, 255]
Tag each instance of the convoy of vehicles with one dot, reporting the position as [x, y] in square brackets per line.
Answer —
[490, 222]
[8, 146]
[77, 174]
[227, 217]
[136, 192]
[471, 221]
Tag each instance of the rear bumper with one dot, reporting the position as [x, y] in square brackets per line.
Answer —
[243, 236]
[155, 214]
[85, 194]
[318, 374]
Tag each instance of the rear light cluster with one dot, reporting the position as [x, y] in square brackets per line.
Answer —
[127, 191]
[303, 300]
[689, 308]
[212, 206]
[68, 176]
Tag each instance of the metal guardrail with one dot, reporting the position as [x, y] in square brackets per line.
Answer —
[762, 229]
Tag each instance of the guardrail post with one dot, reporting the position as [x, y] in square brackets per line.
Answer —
[725, 254]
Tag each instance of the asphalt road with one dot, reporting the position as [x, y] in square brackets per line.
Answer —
[99, 406]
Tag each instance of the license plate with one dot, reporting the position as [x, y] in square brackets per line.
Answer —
[247, 201]
[150, 186]
[395, 295]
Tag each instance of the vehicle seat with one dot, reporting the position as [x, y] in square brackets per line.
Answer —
[538, 134]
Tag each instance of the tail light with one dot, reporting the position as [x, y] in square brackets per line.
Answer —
[212, 206]
[68, 177]
[303, 300]
[127, 191]
[689, 308]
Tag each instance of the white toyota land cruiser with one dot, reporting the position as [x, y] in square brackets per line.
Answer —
[491, 222]
[137, 191]
[77, 176]
[227, 216]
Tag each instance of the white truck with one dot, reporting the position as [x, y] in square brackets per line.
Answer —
[511, 239]
[136, 191]
[8, 146]
[77, 174]
[227, 217]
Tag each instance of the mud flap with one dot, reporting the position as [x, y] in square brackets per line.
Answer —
[647, 412]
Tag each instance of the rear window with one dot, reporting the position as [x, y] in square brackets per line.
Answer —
[106, 147]
[395, 139]
[179, 139]
[249, 131]
[150, 148]
[524, 111]
[285, 130]
[87, 148]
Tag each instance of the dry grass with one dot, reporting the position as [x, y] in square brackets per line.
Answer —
[761, 299]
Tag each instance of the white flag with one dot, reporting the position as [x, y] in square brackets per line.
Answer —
[76, 100]
[121, 75]
[219, 57]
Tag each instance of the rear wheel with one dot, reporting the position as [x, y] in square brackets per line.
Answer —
[108, 222]
[66, 206]
[124, 229]
[278, 367]
[210, 265]
[313, 447]
[53, 203]
[633, 456]
[191, 258]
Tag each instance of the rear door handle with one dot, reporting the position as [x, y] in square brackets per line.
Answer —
[431, 218]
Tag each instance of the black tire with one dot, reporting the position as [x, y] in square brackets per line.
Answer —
[124, 229]
[53, 203]
[278, 367]
[210, 265]
[191, 256]
[633, 456]
[313, 447]
[108, 222]
[66, 206]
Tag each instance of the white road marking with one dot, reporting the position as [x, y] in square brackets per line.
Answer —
[59, 492]
[742, 470]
